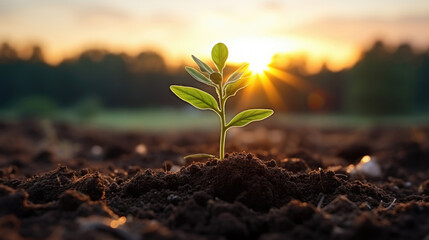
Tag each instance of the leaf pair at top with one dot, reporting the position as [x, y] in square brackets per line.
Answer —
[219, 56]
[215, 78]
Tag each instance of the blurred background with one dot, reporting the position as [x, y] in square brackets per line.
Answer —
[110, 63]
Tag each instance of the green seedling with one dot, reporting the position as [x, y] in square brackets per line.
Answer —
[225, 89]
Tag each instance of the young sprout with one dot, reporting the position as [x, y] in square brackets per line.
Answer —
[224, 89]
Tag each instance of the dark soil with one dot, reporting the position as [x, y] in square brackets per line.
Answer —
[61, 182]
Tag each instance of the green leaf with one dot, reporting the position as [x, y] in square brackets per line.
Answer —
[199, 157]
[195, 97]
[199, 76]
[219, 55]
[216, 77]
[232, 88]
[248, 116]
[237, 74]
[203, 66]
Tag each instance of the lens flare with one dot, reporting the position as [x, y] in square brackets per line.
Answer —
[270, 79]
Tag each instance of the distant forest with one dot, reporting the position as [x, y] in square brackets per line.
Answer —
[384, 81]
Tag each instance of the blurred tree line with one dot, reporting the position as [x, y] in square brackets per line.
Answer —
[383, 81]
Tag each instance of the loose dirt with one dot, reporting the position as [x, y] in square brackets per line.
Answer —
[63, 182]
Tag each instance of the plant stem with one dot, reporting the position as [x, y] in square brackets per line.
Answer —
[222, 144]
[223, 128]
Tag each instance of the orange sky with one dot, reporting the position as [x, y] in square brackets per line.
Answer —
[333, 31]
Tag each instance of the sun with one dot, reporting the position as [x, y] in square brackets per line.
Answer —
[259, 64]
[258, 52]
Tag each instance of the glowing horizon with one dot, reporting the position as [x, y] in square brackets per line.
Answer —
[262, 50]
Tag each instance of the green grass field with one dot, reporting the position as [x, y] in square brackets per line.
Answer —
[159, 120]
